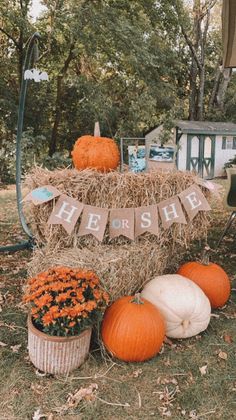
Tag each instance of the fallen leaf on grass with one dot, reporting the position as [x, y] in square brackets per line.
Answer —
[15, 348]
[38, 415]
[166, 380]
[38, 389]
[165, 412]
[228, 338]
[193, 414]
[87, 394]
[167, 362]
[137, 372]
[2, 344]
[203, 370]
[223, 355]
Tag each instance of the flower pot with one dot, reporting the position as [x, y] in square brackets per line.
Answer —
[57, 355]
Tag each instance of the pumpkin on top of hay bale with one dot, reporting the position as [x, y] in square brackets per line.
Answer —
[123, 265]
[95, 152]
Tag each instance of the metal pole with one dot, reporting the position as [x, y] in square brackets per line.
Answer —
[31, 49]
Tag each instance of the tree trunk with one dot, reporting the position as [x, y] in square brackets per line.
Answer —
[220, 97]
[58, 111]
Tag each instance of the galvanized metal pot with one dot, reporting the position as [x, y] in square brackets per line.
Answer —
[57, 355]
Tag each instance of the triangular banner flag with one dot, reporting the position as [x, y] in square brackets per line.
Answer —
[122, 223]
[146, 220]
[66, 213]
[42, 194]
[193, 201]
[171, 212]
[94, 220]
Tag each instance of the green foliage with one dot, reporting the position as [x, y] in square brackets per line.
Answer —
[123, 63]
[231, 162]
[34, 151]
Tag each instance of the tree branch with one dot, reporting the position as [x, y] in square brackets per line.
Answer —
[10, 37]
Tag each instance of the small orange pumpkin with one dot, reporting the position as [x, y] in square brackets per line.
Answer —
[133, 329]
[211, 278]
[95, 152]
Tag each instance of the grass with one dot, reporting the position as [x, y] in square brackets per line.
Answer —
[169, 385]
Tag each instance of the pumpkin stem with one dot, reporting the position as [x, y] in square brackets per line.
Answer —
[97, 132]
[205, 259]
[137, 299]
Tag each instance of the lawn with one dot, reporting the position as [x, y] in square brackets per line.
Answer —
[191, 379]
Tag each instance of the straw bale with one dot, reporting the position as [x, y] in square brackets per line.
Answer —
[114, 190]
[122, 265]
[122, 270]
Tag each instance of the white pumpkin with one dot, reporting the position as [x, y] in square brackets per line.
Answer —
[183, 304]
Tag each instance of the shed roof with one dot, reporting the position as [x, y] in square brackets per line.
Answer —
[206, 127]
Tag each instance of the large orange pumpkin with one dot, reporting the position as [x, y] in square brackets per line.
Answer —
[211, 278]
[95, 152]
[133, 329]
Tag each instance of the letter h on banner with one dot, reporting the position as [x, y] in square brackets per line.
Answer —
[66, 213]
[171, 212]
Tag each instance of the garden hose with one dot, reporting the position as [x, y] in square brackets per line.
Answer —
[31, 55]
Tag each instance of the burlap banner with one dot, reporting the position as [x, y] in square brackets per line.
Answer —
[146, 220]
[42, 194]
[94, 220]
[171, 212]
[193, 200]
[66, 213]
[121, 223]
[128, 222]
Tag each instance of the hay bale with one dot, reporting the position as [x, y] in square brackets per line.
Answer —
[113, 190]
[122, 265]
[122, 270]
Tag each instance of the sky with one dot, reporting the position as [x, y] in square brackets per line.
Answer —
[36, 9]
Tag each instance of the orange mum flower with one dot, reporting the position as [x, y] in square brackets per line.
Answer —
[63, 298]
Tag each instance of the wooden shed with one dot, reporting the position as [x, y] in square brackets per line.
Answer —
[203, 146]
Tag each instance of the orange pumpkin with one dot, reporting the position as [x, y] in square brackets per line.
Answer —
[211, 278]
[95, 152]
[133, 329]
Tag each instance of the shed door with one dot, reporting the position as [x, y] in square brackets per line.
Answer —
[201, 155]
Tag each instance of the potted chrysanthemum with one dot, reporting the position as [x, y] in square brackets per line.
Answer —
[64, 304]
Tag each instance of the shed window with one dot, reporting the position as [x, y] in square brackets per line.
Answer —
[228, 143]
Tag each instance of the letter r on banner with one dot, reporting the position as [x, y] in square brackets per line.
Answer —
[66, 213]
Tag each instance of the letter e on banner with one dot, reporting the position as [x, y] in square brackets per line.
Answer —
[171, 212]
[121, 223]
[66, 213]
[94, 220]
[146, 220]
[193, 201]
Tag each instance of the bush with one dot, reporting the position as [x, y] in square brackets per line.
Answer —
[230, 163]
[33, 151]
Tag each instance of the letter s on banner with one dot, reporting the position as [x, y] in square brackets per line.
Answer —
[146, 220]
